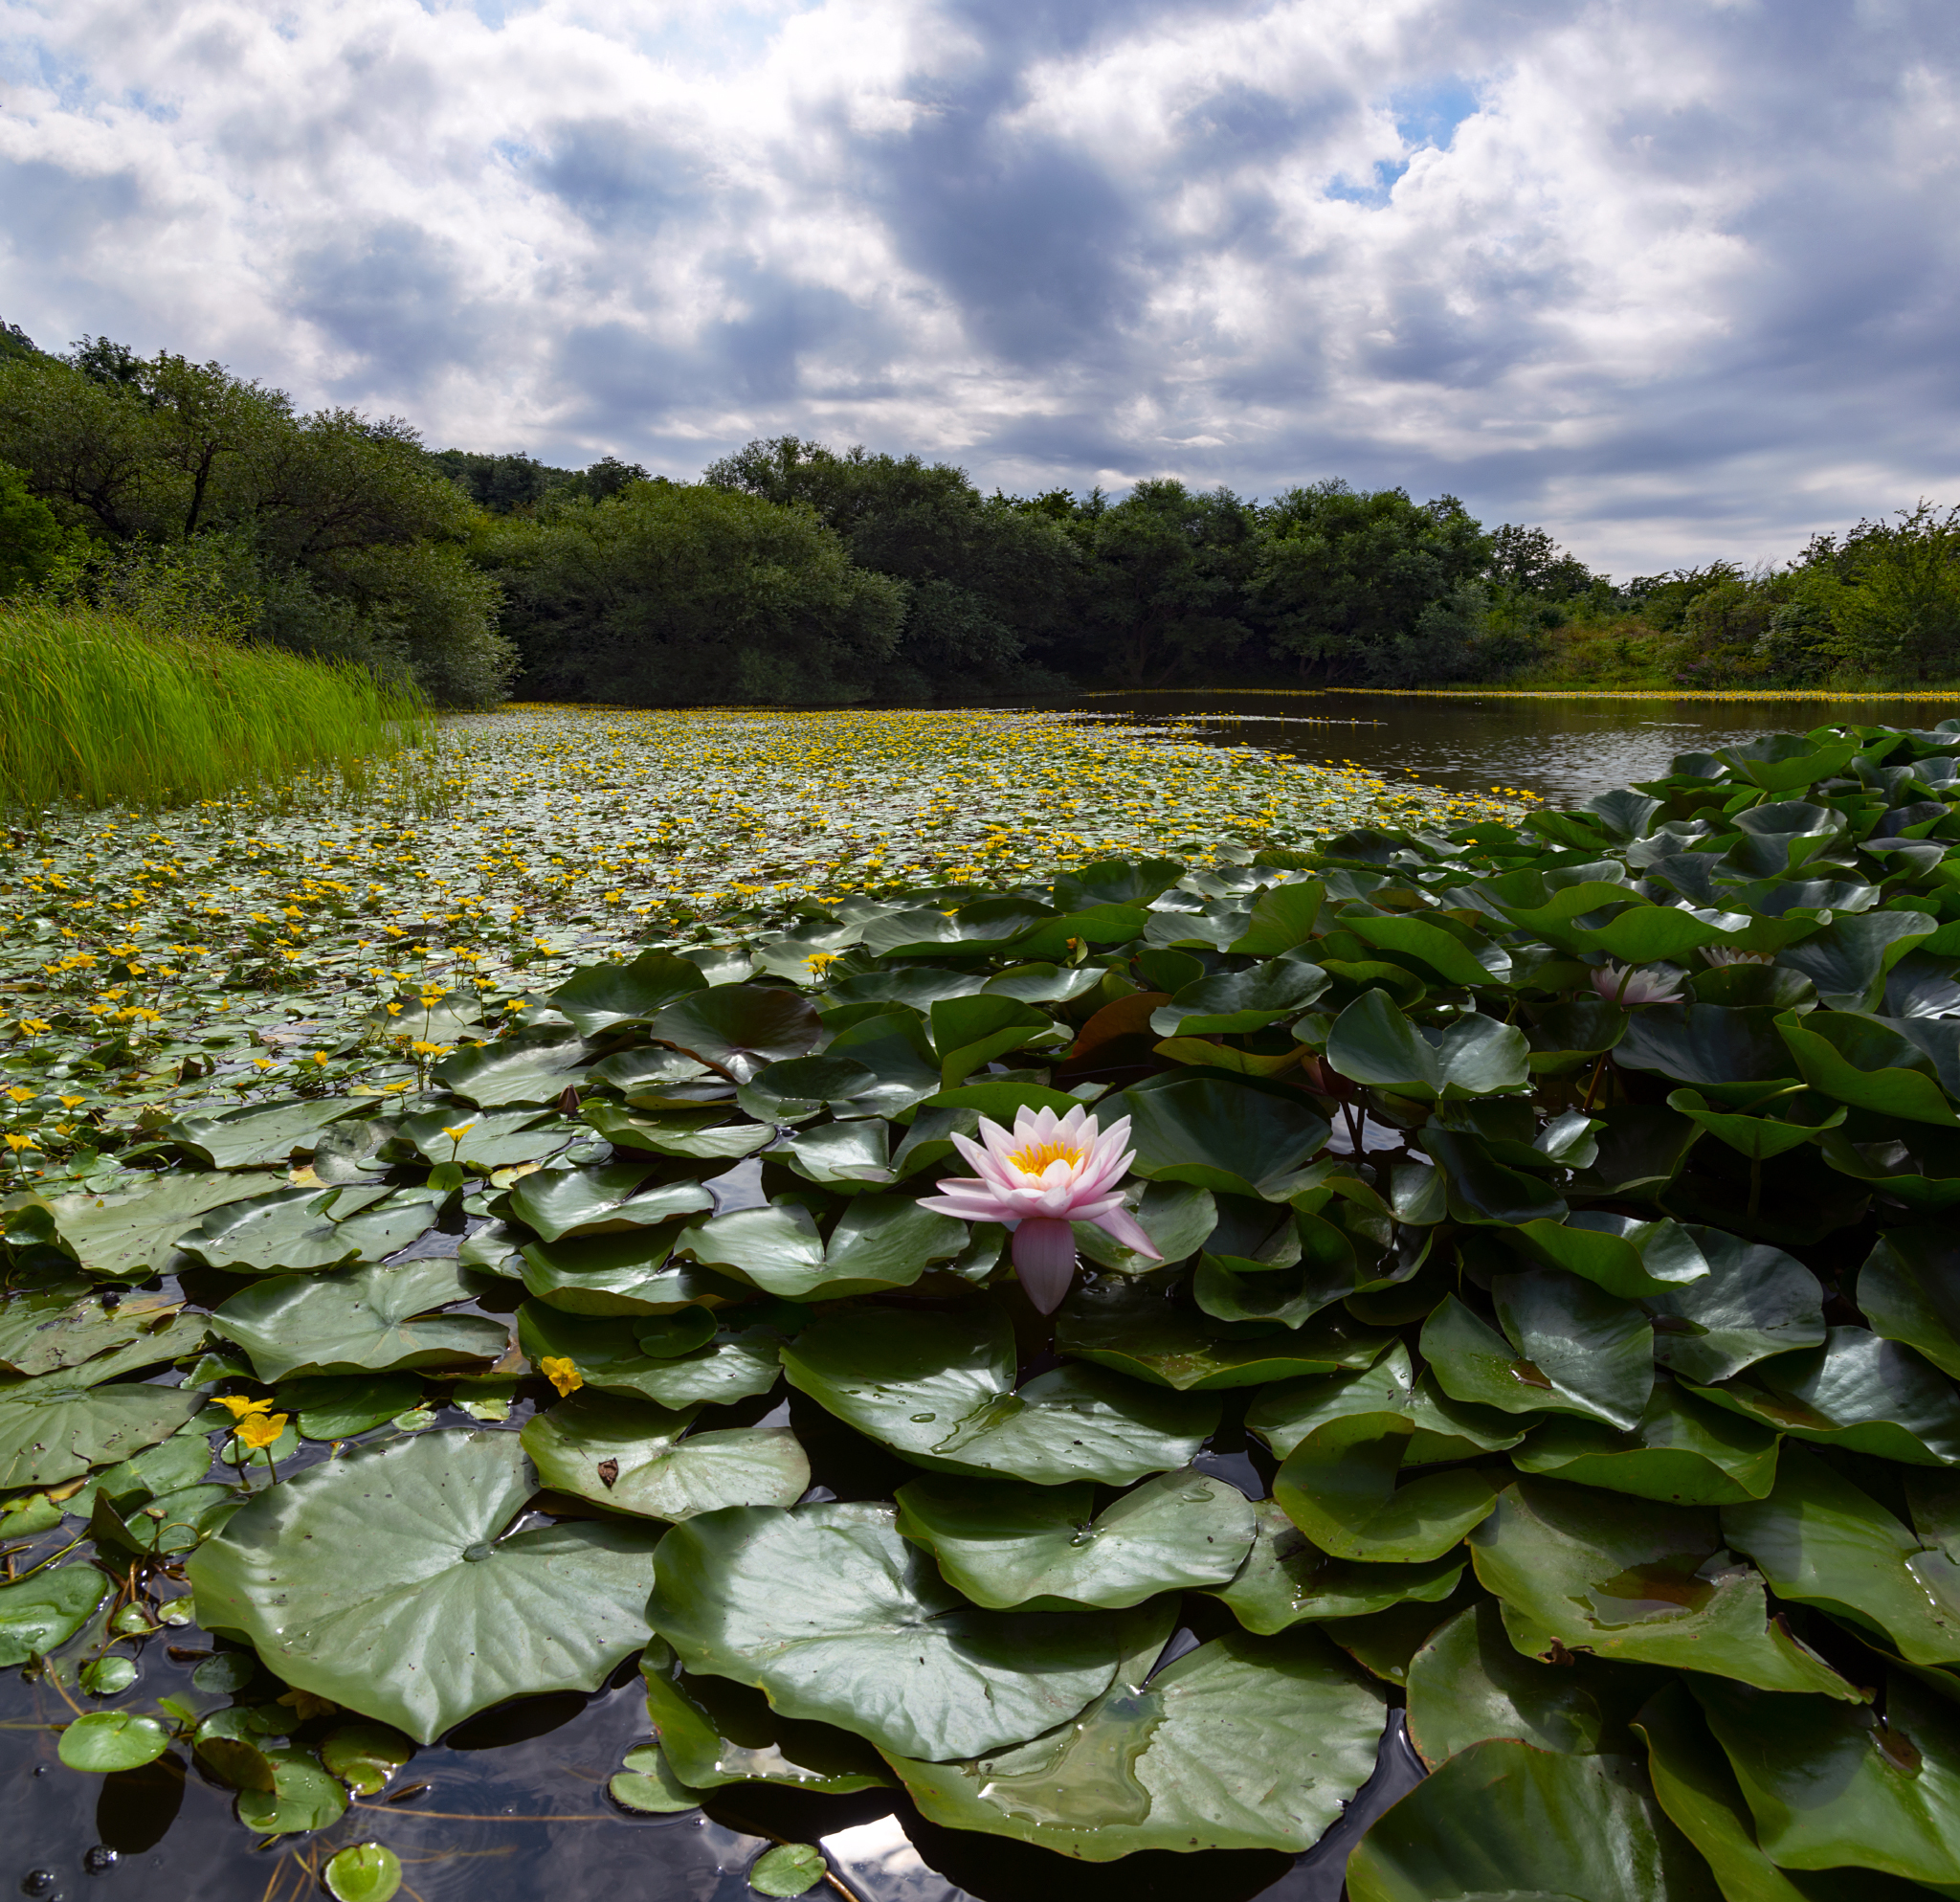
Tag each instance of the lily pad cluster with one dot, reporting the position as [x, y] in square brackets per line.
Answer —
[1551, 1336]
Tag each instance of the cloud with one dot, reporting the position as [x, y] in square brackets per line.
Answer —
[1674, 280]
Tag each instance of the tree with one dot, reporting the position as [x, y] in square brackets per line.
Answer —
[32, 542]
[672, 595]
[1372, 587]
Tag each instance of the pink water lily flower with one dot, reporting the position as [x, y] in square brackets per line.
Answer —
[1637, 983]
[1048, 1172]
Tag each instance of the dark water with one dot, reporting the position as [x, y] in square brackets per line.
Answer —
[1565, 750]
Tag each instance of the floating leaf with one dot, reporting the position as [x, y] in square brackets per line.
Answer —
[789, 1869]
[625, 1274]
[1232, 1002]
[264, 1132]
[646, 1782]
[131, 1234]
[363, 1756]
[1755, 1302]
[610, 1357]
[57, 1426]
[557, 1202]
[379, 1581]
[630, 1457]
[831, 1614]
[302, 1229]
[47, 1610]
[1287, 1579]
[1624, 1256]
[495, 1138]
[41, 1332]
[1474, 1363]
[302, 1797]
[1680, 1451]
[1212, 1133]
[532, 1066]
[879, 1241]
[1909, 1289]
[1004, 1544]
[738, 1028]
[1338, 1485]
[337, 1407]
[1372, 1042]
[106, 1741]
[598, 998]
[1283, 1415]
[367, 1873]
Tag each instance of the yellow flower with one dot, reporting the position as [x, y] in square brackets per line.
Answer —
[458, 1131]
[18, 1142]
[563, 1374]
[239, 1406]
[260, 1430]
[20, 1095]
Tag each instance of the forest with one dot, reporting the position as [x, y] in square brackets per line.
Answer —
[796, 573]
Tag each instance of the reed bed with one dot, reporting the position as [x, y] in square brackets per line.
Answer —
[97, 711]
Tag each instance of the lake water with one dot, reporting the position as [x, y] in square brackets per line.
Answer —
[1564, 749]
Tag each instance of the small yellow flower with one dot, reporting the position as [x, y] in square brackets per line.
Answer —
[563, 1374]
[260, 1430]
[20, 1095]
[457, 1133]
[239, 1406]
[18, 1142]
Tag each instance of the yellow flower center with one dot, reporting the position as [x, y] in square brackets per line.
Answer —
[1035, 1158]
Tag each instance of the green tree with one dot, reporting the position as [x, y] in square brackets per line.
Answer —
[32, 542]
[671, 594]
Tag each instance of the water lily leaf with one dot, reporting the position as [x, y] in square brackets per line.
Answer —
[1859, 1061]
[261, 1134]
[1506, 1822]
[1624, 1256]
[131, 1234]
[530, 1065]
[43, 1330]
[47, 1610]
[363, 1322]
[1909, 1289]
[969, 1032]
[1787, 762]
[847, 1156]
[302, 1797]
[1919, 1167]
[624, 1274]
[1004, 1544]
[1848, 959]
[1287, 1579]
[1469, 1684]
[1338, 1485]
[1372, 1042]
[1116, 881]
[630, 1457]
[1568, 1033]
[105, 1741]
[1283, 1415]
[646, 1783]
[702, 1134]
[557, 1202]
[1214, 1134]
[715, 1732]
[1644, 1583]
[1232, 1002]
[737, 1029]
[367, 1873]
[1462, 957]
[1723, 1051]
[939, 1390]
[1137, 1332]
[57, 1426]
[1858, 1391]
[380, 1580]
[1243, 1743]
[1596, 1353]
[1282, 916]
[495, 1138]
[838, 1619]
[1829, 1786]
[1482, 1190]
[879, 1241]
[297, 1230]
[1093, 925]
[1680, 1451]
[729, 1367]
[334, 1408]
[1821, 1540]
[1757, 1300]
[598, 998]
[985, 925]
[796, 1090]
[1641, 1148]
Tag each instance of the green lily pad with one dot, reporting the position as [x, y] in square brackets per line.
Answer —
[1644, 1583]
[47, 1610]
[646, 1783]
[265, 1132]
[560, 1202]
[363, 1322]
[379, 1581]
[969, 1032]
[304, 1797]
[838, 1619]
[938, 1389]
[1821, 1540]
[626, 1273]
[1858, 1391]
[494, 1138]
[1211, 1133]
[610, 1357]
[57, 1426]
[297, 1230]
[363, 1756]
[630, 1457]
[789, 1869]
[1283, 1415]
[339, 1406]
[1287, 1579]
[1469, 1684]
[41, 1332]
[367, 1873]
[1909, 1289]
[1593, 1348]
[1830, 1785]
[1506, 1822]
[532, 1066]
[1919, 1167]
[1338, 1485]
[1232, 1002]
[698, 1135]
[131, 1234]
[1680, 1451]
[1626, 1257]
[716, 1731]
[738, 1028]
[1004, 1544]
[880, 1242]
[848, 1157]
[106, 1741]
[1861, 1061]
[1848, 959]
[1245, 1743]
[1757, 1302]
[1371, 1042]
[599, 997]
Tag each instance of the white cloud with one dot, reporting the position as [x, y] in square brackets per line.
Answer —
[1672, 277]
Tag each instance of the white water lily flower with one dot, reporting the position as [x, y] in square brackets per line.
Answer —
[1637, 983]
[1046, 1172]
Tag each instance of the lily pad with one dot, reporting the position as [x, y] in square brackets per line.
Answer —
[838, 1619]
[631, 1457]
[57, 1426]
[1245, 1743]
[1755, 1302]
[1004, 1544]
[265, 1132]
[1680, 1451]
[131, 1234]
[494, 1138]
[939, 1390]
[1909, 1289]
[106, 1741]
[610, 1357]
[1338, 1485]
[297, 1230]
[367, 1322]
[1283, 1415]
[1371, 1042]
[41, 1332]
[337, 1407]
[47, 1610]
[1626, 1257]
[532, 1066]
[626, 1273]
[1215, 1135]
[558, 1202]
[1287, 1579]
[880, 1242]
[737, 1029]
[379, 1581]
[1473, 1362]
[599, 997]
[304, 1797]
[1646, 1583]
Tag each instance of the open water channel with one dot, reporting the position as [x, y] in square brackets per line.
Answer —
[512, 1806]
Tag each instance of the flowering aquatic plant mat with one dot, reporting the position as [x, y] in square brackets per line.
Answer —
[1084, 1355]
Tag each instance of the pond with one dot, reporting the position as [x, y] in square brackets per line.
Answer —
[1566, 750]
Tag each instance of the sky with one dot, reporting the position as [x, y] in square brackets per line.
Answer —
[1674, 278]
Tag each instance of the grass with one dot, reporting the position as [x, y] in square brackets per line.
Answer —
[96, 712]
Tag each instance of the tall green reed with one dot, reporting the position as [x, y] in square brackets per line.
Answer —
[97, 711]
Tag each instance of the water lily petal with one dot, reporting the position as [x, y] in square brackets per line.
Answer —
[1046, 1259]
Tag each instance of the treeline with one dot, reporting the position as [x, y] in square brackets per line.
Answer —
[793, 573]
